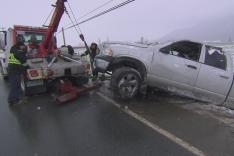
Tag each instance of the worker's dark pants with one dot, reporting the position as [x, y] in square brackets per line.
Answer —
[15, 88]
[94, 71]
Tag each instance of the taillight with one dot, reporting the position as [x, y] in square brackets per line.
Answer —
[33, 73]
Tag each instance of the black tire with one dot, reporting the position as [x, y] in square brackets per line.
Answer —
[70, 50]
[125, 82]
[5, 78]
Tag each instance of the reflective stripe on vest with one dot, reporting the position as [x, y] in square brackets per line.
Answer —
[12, 59]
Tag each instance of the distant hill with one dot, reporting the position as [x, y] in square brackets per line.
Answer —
[221, 29]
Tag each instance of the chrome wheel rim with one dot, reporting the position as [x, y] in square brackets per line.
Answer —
[128, 85]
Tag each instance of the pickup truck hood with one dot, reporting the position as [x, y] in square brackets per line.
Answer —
[140, 52]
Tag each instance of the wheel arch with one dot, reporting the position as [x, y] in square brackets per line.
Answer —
[130, 62]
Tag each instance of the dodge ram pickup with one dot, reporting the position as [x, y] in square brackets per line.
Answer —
[193, 69]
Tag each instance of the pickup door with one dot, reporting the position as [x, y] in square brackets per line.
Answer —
[192, 69]
[175, 67]
[215, 76]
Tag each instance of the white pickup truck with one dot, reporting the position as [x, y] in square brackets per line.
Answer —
[187, 68]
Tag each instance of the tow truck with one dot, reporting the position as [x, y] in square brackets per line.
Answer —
[47, 65]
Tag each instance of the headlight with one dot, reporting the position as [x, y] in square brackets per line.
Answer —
[109, 52]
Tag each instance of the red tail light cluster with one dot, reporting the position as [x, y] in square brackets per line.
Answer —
[33, 73]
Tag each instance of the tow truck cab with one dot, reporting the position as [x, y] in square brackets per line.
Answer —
[31, 36]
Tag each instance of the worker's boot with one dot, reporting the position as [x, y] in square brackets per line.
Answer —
[12, 104]
[22, 101]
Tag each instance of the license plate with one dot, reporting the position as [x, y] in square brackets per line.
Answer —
[34, 83]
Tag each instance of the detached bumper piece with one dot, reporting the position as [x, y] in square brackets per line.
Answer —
[71, 92]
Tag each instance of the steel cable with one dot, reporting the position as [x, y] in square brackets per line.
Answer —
[102, 5]
[76, 22]
[102, 13]
[48, 16]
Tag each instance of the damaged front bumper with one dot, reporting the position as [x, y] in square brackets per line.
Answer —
[102, 63]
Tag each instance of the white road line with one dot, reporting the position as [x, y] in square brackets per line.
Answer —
[155, 127]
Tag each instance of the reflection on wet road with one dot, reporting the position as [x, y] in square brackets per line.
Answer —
[88, 126]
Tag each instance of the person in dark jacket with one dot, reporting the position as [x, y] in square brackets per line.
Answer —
[16, 60]
[92, 52]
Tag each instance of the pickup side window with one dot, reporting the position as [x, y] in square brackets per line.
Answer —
[185, 49]
[215, 57]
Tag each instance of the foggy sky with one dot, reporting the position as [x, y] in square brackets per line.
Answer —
[151, 19]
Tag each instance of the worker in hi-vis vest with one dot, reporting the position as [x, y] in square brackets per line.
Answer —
[16, 60]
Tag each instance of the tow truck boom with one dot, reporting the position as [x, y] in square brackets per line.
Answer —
[47, 46]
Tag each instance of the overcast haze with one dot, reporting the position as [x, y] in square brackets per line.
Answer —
[152, 19]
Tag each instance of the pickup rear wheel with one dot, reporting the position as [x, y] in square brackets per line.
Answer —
[125, 82]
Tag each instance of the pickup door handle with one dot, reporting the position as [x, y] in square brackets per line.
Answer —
[191, 66]
[224, 77]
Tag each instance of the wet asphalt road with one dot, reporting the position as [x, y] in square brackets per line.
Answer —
[88, 126]
[211, 132]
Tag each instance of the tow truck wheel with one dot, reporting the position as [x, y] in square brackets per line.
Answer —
[32, 87]
[126, 82]
[5, 78]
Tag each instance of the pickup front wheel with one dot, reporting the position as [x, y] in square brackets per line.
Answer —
[125, 82]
